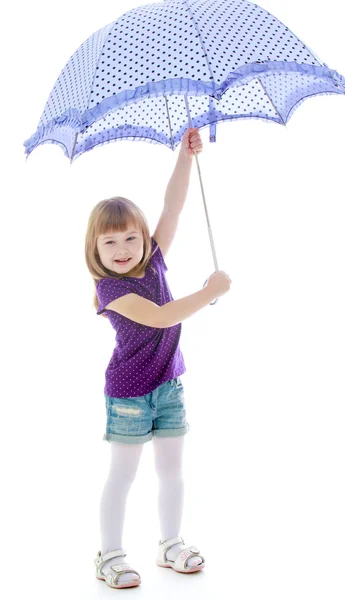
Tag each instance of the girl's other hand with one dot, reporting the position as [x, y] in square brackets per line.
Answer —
[219, 282]
[191, 142]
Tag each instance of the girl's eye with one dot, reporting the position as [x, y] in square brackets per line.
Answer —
[112, 242]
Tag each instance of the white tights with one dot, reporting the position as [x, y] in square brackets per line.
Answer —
[123, 468]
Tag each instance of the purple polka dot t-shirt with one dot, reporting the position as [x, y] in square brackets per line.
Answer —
[144, 357]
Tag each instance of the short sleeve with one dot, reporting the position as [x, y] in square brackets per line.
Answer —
[157, 258]
[110, 289]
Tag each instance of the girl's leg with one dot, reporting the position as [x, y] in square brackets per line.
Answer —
[123, 468]
[168, 453]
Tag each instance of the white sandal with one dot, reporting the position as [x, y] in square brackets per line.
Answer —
[116, 571]
[180, 562]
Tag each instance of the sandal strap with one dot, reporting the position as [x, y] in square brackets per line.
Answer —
[122, 567]
[119, 570]
[183, 556]
[101, 559]
[169, 543]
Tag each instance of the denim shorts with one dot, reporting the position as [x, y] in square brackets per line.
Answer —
[136, 420]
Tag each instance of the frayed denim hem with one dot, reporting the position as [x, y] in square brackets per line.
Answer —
[142, 439]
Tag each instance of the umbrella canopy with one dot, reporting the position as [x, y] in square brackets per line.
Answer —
[162, 67]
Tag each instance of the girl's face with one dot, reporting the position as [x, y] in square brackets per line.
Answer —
[118, 246]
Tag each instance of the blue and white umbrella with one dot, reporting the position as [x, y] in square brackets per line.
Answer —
[161, 68]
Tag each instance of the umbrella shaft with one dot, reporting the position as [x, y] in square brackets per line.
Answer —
[202, 191]
[207, 217]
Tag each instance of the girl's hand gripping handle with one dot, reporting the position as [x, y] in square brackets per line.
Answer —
[219, 282]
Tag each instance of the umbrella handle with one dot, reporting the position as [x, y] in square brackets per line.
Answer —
[214, 301]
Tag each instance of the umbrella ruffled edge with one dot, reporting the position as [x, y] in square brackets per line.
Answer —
[195, 87]
[247, 72]
[79, 121]
[70, 118]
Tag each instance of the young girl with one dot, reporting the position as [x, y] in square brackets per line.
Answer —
[143, 389]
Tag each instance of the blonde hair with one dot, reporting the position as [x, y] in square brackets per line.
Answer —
[112, 215]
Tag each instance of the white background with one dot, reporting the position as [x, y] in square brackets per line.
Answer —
[264, 387]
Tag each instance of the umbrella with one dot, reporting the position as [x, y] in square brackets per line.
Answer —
[163, 67]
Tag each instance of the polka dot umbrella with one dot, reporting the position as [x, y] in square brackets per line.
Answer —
[163, 67]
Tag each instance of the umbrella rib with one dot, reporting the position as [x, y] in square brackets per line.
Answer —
[171, 135]
[201, 40]
[75, 141]
[111, 27]
[278, 113]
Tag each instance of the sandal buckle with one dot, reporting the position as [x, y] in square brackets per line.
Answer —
[117, 568]
[120, 568]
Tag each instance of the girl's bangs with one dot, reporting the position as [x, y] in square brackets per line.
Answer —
[115, 218]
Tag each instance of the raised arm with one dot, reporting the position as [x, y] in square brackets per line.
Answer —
[177, 188]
